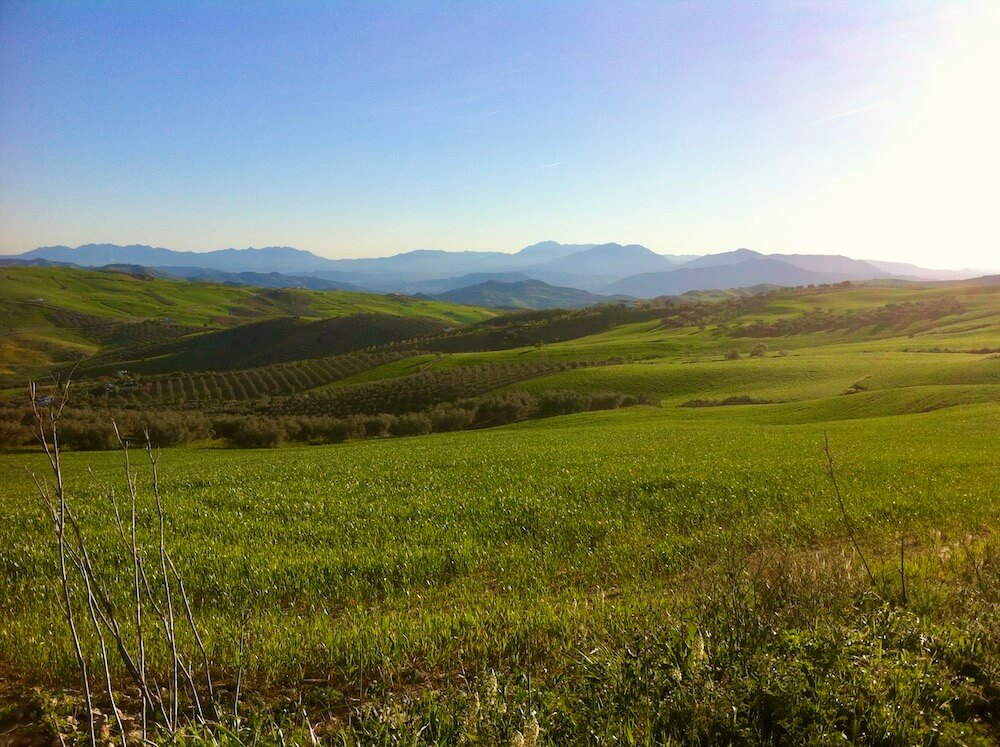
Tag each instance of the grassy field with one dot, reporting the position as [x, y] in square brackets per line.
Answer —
[672, 574]
[399, 571]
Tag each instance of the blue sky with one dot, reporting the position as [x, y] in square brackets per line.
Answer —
[365, 129]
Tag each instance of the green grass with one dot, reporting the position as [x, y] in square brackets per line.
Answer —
[804, 375]
[507, 549]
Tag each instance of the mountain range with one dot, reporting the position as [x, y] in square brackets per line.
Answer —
[542, 275]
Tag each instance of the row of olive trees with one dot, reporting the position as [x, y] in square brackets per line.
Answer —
[481, 412]
[87, 429]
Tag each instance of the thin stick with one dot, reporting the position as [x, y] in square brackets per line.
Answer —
[106, 611]
[239, 672]
[166, 586]
[843, 508]
[136, 563]
[59, 520]
[902, 566]
[84, 572]
[197, 637]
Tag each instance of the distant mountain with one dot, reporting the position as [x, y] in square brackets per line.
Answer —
[135, 270]
[429, 262]
[835, 264]
[199, 274]
[269, 259]
[765, 270]
[592, 283]
[905, 270]
[17, 260]
[549, 250]
[630, 269]
[609, 260]
[524, 294]
[981, 280]
[723, 258]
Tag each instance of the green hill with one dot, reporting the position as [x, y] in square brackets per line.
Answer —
[55, 315]
[522, 294]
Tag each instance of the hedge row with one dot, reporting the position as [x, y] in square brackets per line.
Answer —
[92, 430]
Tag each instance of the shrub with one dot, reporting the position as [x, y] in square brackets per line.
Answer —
[376, 425]
[562, 403]
[258, 433]
[87, 435]
[759, 350]
[334, 430]
[733, 355]
[176, 429]
[504, 408]
[13, 433]
[448, 418]
[605, 400]
[227, 426]
[414, 424]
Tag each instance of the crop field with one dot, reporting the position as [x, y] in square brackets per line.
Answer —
[691, 571]
[377, 568]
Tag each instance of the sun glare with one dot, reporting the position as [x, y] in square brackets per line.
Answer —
[931, 195]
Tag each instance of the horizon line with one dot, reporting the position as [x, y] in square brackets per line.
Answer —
[5, 253]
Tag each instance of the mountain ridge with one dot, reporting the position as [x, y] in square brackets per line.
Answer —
[599, 269]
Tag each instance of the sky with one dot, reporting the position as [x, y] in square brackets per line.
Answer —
[370, 128]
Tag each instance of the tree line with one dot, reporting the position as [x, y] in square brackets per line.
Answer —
[89, 429]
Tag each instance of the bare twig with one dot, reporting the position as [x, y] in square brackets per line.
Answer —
[902, 566]
[106, 611]
[136, 566]
[79, 576]
[843, 508]
[58, 516]
[81, 566]
[239, 672]
[172, 635]
[197, 637]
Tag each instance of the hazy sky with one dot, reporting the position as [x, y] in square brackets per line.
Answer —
[362, 128]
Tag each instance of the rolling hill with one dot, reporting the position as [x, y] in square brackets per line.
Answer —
[522, 294]
[52, 315]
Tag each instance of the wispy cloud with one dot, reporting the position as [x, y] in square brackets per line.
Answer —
[852, 112]
[552, 165]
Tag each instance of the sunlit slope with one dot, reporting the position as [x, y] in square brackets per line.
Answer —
[835, 342]
[52, 315]
[890, 319]
[845, 352]
[820, 342]
[799, 375]
[127, 297]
